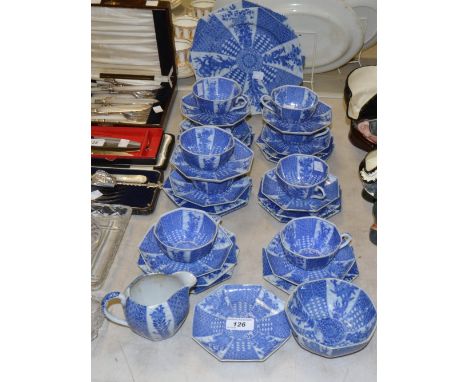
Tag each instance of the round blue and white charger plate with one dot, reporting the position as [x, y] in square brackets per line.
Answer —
[281, 267]
[186, 190]
[250, 46]
[239, 322]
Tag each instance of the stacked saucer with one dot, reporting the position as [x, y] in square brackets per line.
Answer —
[218, 101]
[210, 172]
[308, 249]
[296, 122]
[300, 185]
[193, 241]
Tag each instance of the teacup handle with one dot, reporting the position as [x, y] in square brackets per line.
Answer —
[266, 100]
[345, 239]
[321, 191]
[241, 102]
[105, 302]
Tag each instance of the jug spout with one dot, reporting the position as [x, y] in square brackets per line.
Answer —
[186, 278]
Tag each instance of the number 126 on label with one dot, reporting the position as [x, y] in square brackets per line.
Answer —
[240, 324]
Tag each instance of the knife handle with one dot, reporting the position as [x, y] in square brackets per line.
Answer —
[138, 179]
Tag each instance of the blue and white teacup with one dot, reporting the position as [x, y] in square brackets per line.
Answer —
[291, 103]
[312, 242]
[155, 305]
[219, 95]
[302, 176]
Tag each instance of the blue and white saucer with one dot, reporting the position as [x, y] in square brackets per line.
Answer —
[239, 322]
[276, 281]
[281, 267]
[230, 263]
[321, 119]
[184, 189]
[239, 164]
[288, 287]
[219, 210]
[223, 278]
[284, 216]
[190, 110]
[273, 139]
[273, 191]
[158, 261]
[272, 156]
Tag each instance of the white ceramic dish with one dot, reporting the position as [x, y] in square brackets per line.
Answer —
[337, 28]
[367, 12]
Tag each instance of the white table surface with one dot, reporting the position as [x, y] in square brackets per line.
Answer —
[119, 355]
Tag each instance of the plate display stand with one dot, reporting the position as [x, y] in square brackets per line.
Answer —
[313, 36]
[357, 58]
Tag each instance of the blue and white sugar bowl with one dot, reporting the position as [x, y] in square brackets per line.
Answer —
[302, 176]
[155, 305]
[331, 317]
[206, 147]
[311, 242]
[185, 234]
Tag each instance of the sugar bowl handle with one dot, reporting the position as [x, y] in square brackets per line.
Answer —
[105, 302]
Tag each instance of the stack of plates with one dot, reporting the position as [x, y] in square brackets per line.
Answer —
[282, 136]
[210, 270]
[283, 204]
[219, 190]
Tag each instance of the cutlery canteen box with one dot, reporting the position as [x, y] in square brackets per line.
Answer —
[133, 40]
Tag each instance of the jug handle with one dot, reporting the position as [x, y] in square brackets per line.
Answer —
[105, 302]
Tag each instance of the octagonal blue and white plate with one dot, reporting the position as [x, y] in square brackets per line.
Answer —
[219, 210]
[184, 189]
[322, 118]
[239, 164]
[281, 267]
[250, 46]
[239, 322]
[273, 191]
[288, 287]
[272, 156]
[284, 216]
[190, 110]
[274, 139]
[158, 261]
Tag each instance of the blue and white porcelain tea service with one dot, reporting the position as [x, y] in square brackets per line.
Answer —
[210, 171]
[299, 186]
[307, 249]
[192, 241]
[295, 122]
[246, 57]
[218, 101]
